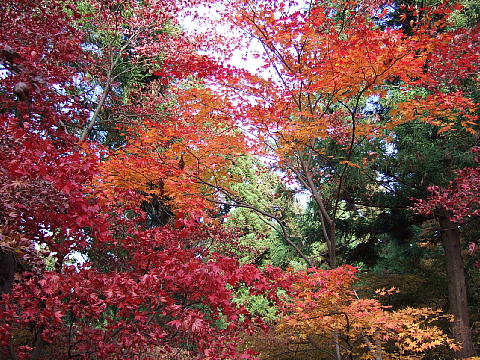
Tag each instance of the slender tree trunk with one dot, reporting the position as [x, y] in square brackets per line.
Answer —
[326, 219]
[332, 250]
[38, 346]
[336, 340]
[7, 351]
[98, 108]
[11, 351]
[457, 290]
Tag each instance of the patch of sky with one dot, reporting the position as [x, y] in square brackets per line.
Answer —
[384, 16]
[4, 73]
[74, 258]
[374, 106]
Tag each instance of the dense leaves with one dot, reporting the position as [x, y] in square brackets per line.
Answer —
[329, 317]
[124, 148]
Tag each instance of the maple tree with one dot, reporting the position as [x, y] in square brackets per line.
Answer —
[318, 72]
[128, 299]
[460, 197]
[327, 318]
[454, 64]
[452, 206]
[136, 50]
[321, 63]
[44, 196]
[118, 144]
[87, 313]
[178, 157]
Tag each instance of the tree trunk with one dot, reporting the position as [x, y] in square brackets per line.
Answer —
[332, 251]
[8, 268]
[336, 340]
[457, 290]
[38, 346]
[325, 217]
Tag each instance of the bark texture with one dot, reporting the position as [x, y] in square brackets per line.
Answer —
[457, 289]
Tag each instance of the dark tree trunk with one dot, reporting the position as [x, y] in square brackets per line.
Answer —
[332, 248]
[457, 290]
[8, 268]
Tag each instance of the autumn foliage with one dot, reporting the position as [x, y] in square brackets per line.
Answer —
[127, 300]
[112, 249]
[181, 157]
[327, 317]
[319, 65]
[459, 197]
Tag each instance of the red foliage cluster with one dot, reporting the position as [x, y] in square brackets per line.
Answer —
[38, 51]
[143, 289]
[167, 296]
[457, 56]
[43, 192]
[460, 197]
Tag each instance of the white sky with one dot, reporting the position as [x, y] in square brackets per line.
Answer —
[202, 24]
[241, 59]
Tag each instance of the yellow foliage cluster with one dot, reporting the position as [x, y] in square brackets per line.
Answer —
[327, 317]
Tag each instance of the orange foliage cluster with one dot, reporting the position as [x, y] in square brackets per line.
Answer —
[327, 315]
[180, 158]
[320, 63]
[441, 109]
[318, 70]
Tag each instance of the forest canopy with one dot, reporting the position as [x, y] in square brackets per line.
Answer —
[162, 199]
